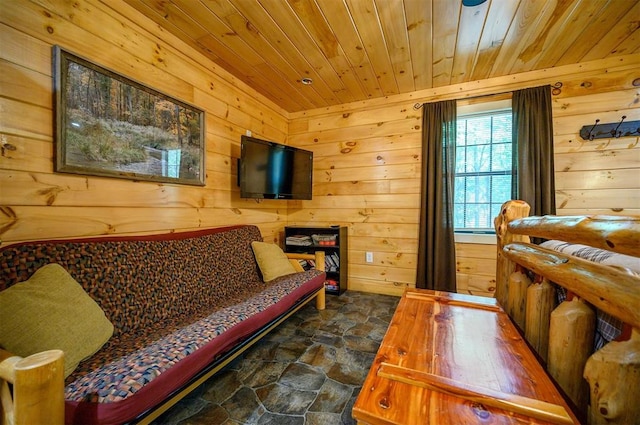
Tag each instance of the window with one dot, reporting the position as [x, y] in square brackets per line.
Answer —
[483, 166]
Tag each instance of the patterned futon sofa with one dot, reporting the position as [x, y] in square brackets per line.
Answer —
[178, 302]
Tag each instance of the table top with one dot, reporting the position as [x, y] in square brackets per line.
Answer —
[451, 359]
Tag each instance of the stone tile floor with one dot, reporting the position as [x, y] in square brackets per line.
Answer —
[307, 371]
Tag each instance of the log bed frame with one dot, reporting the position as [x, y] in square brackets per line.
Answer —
[32, 388]
[605, 385]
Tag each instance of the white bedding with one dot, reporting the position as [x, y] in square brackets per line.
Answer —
[608, 327]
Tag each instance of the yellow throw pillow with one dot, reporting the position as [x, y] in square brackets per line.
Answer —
[49, 311]
[272, 261]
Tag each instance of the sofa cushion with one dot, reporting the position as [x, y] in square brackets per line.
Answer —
[48, 311]
[272, 261]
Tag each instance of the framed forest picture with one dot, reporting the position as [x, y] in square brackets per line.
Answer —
[109, 125]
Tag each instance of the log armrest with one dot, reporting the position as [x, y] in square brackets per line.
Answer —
[38, 388]
[318, 258]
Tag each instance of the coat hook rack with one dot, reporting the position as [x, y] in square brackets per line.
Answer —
[613, 129]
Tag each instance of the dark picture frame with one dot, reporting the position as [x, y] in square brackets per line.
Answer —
[109, 125]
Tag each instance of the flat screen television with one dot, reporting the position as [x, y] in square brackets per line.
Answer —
[269, 170]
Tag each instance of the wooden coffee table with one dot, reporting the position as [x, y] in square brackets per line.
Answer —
[456, 359]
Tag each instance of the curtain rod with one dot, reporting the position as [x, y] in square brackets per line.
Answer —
[555, 90]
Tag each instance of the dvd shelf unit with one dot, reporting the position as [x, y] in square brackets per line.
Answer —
[333, 241]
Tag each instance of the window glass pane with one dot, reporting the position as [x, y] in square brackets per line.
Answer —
[461, 134]
[471, 189]
[501, 158]
[478, 216]
[483, 189]
[478, 189]
[461, 159]
[459, 185]
[478, 159]
[502, 128]
[458, 215]
[501, 188]
[485, 221]
[478, 130]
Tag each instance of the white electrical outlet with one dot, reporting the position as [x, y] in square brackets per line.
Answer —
[368, 256]
[248, 133]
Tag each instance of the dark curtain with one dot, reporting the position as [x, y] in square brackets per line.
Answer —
[436, 247]
[533, 172]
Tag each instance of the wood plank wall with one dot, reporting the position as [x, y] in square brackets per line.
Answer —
[367, 154]
[367, 167]
[36, 203]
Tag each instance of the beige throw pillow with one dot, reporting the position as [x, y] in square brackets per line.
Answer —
[272, 261]
[49, 311]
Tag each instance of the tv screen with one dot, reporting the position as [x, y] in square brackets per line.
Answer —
[270, 170]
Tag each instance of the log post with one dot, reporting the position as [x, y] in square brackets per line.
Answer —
[320, 265]
[541, 298]
[318, 257]
[613, 374]
[510, 211]
[321, 299]
[517, 296]
[38, 389]
[571, 335]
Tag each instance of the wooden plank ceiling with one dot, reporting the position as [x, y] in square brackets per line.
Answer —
[355, 50]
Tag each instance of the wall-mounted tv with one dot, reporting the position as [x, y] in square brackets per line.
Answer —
[270, 170]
